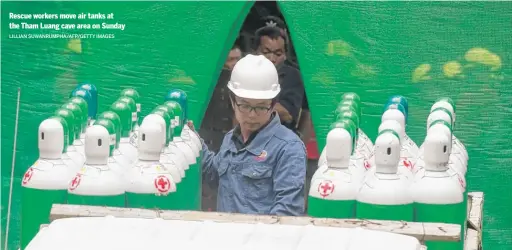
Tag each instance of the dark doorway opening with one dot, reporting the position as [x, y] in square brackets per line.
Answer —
[219, 118]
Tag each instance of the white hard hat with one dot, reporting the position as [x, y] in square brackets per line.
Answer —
[254, 77]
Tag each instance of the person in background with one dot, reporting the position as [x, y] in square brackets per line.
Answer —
[305, 126]
[271, 42]
[273, 21]
[218, 120]
[261, 164]
[234, 55]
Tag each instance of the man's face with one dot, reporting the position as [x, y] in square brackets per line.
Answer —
[252, 114]
[273, 49]
[233, 57]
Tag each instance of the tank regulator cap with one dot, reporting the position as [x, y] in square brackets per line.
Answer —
[436, 150]
[387, 151]
[150, 141]
[51, 139]
[97, 145]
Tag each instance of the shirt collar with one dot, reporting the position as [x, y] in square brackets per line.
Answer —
[258, 139]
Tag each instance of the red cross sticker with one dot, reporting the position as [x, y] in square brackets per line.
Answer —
[408, 164]
[325, 188]
[75, 182]
[461, 182]
[162, 184]
[367, 165]
[27, 176]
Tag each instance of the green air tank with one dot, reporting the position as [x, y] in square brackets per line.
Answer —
[78, 117]
[384, 194]
[127, 144]
[76, 151]
[168, 116]
[354, 105]
[114, 118]
[85, 111]
[173, 152]
[175, 161]
[437, 193]
[190, 137]
[92, 102]
[180, 97]
[71, 122]
[136, 199]
[100, 181]
[133, 107]
[185, 147]
[333, 192]
[151, 185]
[91, 88]
[364, 146]
[351, 96]
[132, 93]
[118, 156]
[187, 134]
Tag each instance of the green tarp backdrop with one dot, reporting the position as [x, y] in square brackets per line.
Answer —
[422, 50]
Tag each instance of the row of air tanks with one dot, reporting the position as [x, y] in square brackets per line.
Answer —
[392, 179]
[109, 159]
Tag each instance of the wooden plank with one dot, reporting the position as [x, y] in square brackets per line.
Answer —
[473, 234]
[472, 241]
[422, 231]
[476, 212]
[67, 211]
[217, 217]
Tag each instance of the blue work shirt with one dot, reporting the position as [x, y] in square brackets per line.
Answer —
[267, 176]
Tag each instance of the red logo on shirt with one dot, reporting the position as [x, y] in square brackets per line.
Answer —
[262, 156]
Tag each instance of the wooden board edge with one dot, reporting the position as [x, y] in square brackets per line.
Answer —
[473, 233]
[475, 214]
[472, 241]
[421, 231]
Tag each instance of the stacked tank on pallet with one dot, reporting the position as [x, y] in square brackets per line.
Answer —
[393, 179]
[115, 158]
[109, 159]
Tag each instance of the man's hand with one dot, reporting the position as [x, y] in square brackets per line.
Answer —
[283, 113]
[190, 124]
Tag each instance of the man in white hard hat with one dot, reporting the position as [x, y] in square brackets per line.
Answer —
[261, 164]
